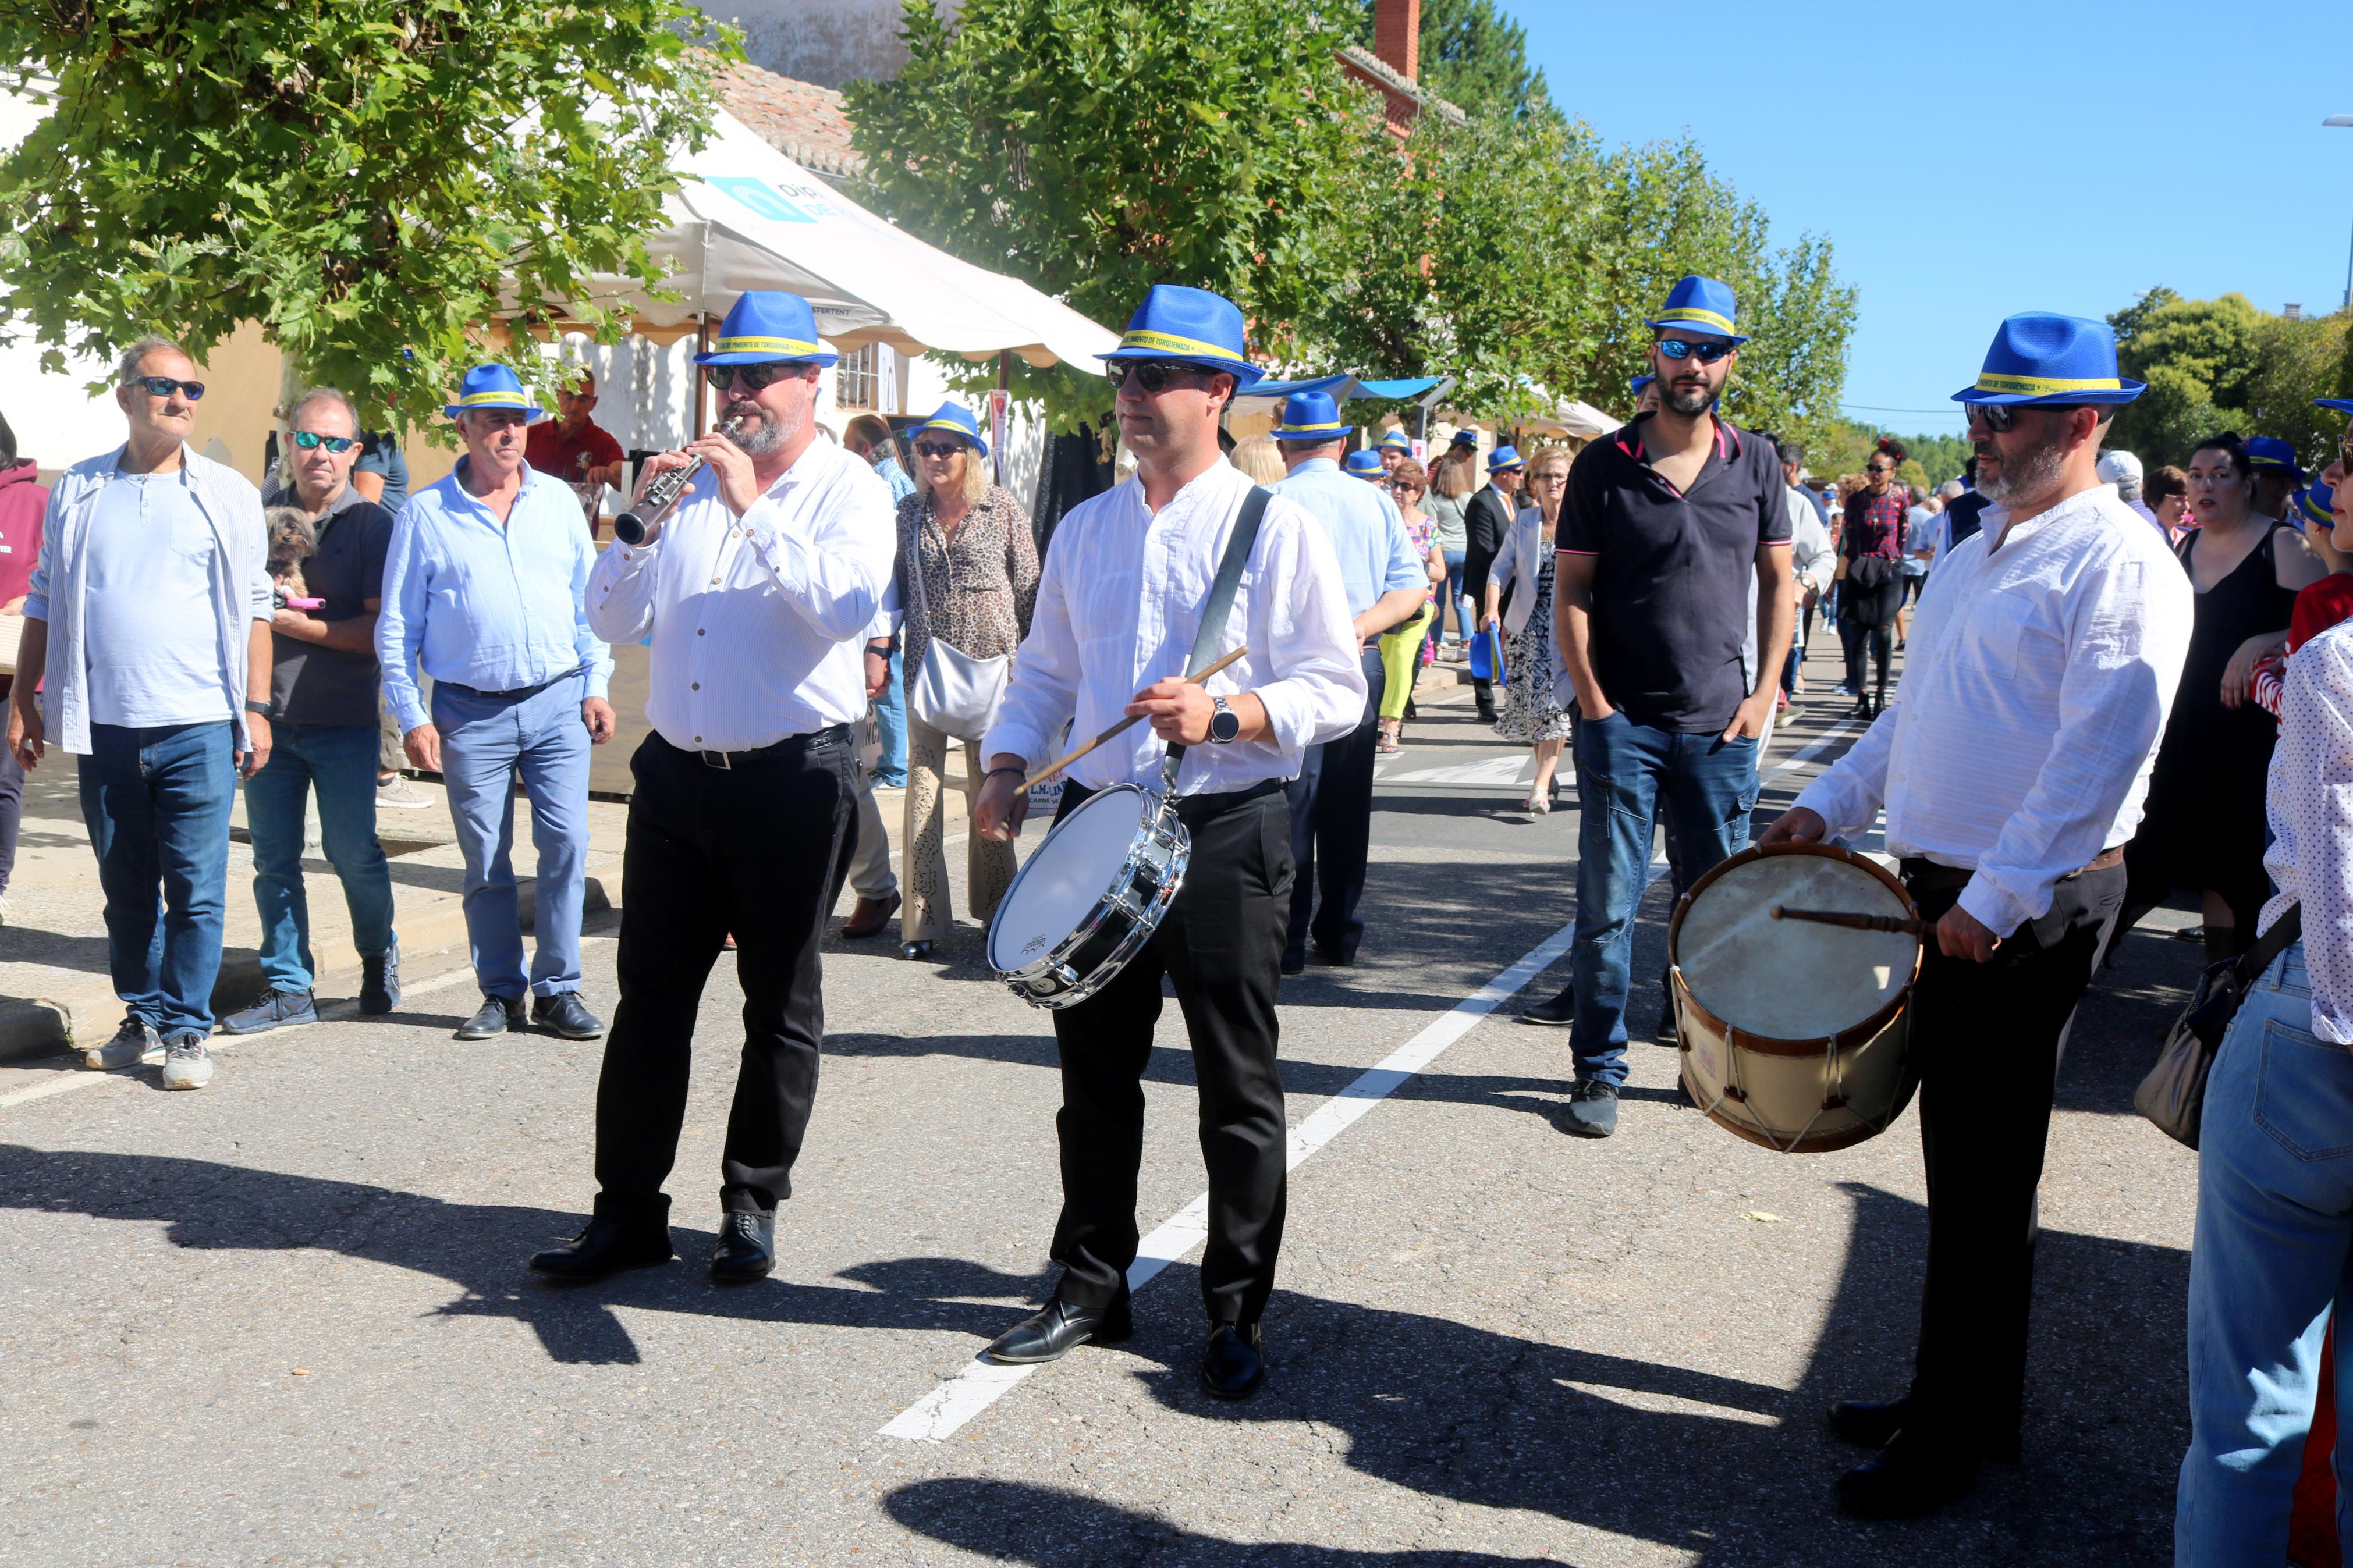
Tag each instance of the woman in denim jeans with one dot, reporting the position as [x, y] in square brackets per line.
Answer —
[2273, 1253]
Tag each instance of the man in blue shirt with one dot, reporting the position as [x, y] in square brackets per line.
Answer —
[484, 590]
[1331, 798]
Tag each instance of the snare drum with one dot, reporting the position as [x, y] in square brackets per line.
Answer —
[1794, 1034]
[1089, 898]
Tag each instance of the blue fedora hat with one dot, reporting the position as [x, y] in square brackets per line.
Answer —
[2316, 504]
[1189, 324]
[1464, 437]
[956, 420]
[1365, 465]
[1398, 441]
[766, 325]
[2039, 357]
[2271, 452]
[1310, 417]
[1639, 382]
[1504, 458]
[1697, 304]
[2342, 404]
[492, 386]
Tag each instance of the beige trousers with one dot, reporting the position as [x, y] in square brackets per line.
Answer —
[923, 865]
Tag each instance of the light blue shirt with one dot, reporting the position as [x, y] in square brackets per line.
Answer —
[1366, 531]
[902, 487]
[475, 603]
[152, 651]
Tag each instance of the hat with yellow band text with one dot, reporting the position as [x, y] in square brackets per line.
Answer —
[1310, 417]
[1365, 464]
[1188, 324]
[492, 386]
[1699, 304]
[1398, 441]
[956, 420]
[765, 326]
[2038, 357]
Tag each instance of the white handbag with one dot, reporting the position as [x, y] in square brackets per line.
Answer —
[954, 692]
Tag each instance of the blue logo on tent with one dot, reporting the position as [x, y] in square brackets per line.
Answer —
[760, 197]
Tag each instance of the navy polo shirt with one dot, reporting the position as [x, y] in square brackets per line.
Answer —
[1672, 571]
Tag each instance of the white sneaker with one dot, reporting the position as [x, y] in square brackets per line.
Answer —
[398, 791]
[186, 1063]
[130, 1046]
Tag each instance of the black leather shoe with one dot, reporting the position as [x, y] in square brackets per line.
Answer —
[1058, 1331]
[563, 1014]
[746, 1249]
[1909, 1477]
[1873, 1424]
[1666, 1033]
[1294, 962]
[1333, 957]
[917, 951]
[606, 1247]
[497, 1017]
[1233, 1367]
[1561, 1010]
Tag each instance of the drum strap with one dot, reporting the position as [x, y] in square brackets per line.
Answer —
[1219, 605]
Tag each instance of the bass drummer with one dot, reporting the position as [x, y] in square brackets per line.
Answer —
[2012, 769]
[1118, 607]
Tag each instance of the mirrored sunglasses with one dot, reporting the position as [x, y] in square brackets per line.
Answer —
[754, 377]
[163, 386]
[1706, 354]
[338, 445]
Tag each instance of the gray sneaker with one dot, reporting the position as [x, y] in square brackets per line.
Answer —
[396, 791]
[1592, 1110]
[186, 1063]
[128, 1048]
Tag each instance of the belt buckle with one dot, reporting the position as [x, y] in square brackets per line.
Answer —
[715, 760]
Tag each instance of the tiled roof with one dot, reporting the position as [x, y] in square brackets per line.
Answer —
[800, 120]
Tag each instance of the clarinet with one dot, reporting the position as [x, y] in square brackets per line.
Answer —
[644, 520]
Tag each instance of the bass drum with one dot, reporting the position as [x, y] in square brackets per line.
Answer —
[1090, 897]
[1794, 1034]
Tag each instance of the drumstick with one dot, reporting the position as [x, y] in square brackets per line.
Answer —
[1056, 766]
[1854, 922]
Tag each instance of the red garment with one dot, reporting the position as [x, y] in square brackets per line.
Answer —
[546, 447]
[22, 502]
[1874, 524]
[2318, 607]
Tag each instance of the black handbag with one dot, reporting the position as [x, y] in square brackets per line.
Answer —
[2173, 1095]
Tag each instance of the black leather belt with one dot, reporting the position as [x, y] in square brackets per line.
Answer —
[516, 695]
[1924, 876]
[786, 747]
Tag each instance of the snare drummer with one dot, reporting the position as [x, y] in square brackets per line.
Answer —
[1117, 609]
[2012, 770]
[757, 593]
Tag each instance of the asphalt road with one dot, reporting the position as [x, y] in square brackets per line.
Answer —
[285, 1320]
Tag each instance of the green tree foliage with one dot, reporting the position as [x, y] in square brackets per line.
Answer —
[362, 177]
[1475, 57]
[2218, 365]
[1097, 147]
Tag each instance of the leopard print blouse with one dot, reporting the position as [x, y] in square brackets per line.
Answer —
[981, 585]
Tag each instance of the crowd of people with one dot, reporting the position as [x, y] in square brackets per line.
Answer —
[2117, 687]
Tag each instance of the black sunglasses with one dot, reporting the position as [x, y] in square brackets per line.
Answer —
[339, 445]
[1706, 354]
[1154, 376]
[2002, 417]
[938, 449]
[163, 386]
[756, 377]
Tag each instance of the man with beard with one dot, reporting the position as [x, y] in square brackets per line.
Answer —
[757, 593]
[2012, 769]
[1674, 555]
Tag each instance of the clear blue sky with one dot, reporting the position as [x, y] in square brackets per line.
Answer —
[1972, 162]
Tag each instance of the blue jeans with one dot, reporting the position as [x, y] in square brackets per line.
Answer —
[156, 804]
[2274, 1255]
[1625, 772]
[485, 742]
[340, 762]
[890, 725]
[1454, 598]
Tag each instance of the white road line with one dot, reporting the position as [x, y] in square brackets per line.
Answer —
[1821, 743]
[938, 1414]
[1518, 767]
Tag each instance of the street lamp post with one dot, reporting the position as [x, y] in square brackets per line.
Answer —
[2344, 120]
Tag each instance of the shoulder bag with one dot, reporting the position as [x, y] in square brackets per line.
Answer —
[2173, 1095]
[954, 692]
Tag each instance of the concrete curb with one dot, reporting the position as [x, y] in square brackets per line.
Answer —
[44, 1025]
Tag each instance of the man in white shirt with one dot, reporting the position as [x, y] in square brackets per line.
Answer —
[2012, 770]
[756, 592]
[1812, 559]
[1119, 608]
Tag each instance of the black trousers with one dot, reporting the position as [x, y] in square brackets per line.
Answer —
[1331, 829]
[759, 850]
[1221, 947]
[1989, 1038]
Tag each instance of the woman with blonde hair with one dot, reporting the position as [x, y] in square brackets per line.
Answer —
[1258, 457]
[966, 576]
[1532, 714]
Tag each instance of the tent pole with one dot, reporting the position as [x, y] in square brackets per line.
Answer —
[701, 346]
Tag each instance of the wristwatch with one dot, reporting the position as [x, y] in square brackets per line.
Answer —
[1225, 725]
[261, 708]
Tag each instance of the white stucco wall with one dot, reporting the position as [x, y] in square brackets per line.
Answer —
[827, 42]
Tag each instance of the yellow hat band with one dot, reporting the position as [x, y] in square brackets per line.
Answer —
[1702, 318]
[506, 396]
[949, 425]
[1169, 343]
[2044, 385]
[1295, 429]
[763, 346]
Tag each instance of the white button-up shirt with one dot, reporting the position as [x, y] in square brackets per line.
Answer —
[756, 621]
[2310, 804]
[1118, 607]
[2031, 708]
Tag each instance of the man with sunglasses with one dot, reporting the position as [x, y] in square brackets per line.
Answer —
[323, 697]
[756, 593]
[1119, 606]
[149, 615]
[1673, 600]
[2013, 768]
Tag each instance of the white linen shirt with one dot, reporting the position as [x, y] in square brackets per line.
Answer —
[757, 621]
[2027, 723]
[1118, 605]
[2309, 800]
[1812, 559]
